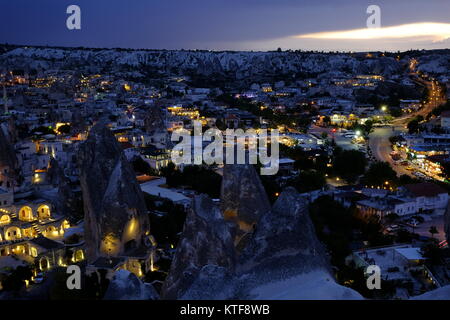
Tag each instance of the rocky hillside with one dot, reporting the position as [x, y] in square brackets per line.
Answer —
[447, 222]
[281, 259]
[7, 154]
[126, 286]
[206, 240]
[236, 64]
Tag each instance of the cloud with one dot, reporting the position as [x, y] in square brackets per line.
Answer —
[424, 30]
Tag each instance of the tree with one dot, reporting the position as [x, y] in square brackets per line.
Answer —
[432, 251]
[368, 127]
[16, 280]
[380, 174]
[64, 129]
[395, 112]
[333, 224]
[172, 175]
[309, 180]
[413, 126]
[444, 107]
[372, 229]
[141, 166]
[433, 230]
[199, 178]
[167, 219]
[43, 130]
[272, 187]
[446, 169]
[349, 164]
[404, 236]
[405, 179]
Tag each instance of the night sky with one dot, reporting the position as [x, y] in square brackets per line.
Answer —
[222, 24]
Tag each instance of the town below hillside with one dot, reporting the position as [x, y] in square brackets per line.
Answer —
[87, 175]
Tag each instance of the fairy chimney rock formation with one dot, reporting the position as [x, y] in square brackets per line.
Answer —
[206, 240]
[116, 217]
[243, 200]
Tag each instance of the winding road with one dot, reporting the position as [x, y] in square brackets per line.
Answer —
[379, 139]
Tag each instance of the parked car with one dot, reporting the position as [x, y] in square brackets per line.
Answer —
[392, 228]
[420, 175]
[39, 278]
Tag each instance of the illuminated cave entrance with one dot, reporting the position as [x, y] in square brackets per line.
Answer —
[78, 256]
[110, 245]
[51, 231]
[44, 212]
[13, 233]
[26, 214]
[33, 252]
[64, 225]
[44, 264]
[20, 249]
[5, 219]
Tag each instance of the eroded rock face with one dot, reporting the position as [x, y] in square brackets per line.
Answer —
[77, 122]
[68, 203]
[126, 286]
[155, 120]
[210, 284]
[243, 200]
[283, 260]
[442, 293]
[55, 174]
[8, 161]
[285, 236]
[7, 153]
[206, 240]
[116, 217]
[241, 65]
[447, 222]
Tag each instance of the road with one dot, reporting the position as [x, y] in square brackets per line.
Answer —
[379, 139]
[436, 98]
[381, 147]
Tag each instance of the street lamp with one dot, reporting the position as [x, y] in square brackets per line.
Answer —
[384, 108]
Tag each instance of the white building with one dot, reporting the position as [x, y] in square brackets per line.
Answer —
[427, 196]
[410, 199]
